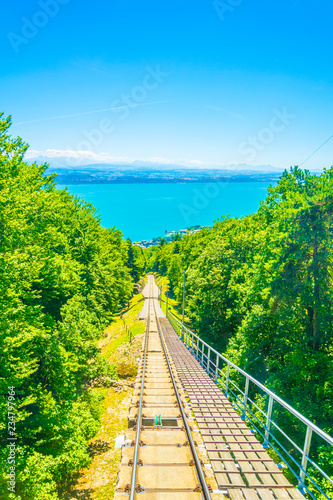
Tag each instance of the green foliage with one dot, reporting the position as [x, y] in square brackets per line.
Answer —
[325, 462]
[62, 278]
[38, 477]
[136, 260]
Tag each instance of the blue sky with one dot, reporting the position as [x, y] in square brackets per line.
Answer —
[235, 81]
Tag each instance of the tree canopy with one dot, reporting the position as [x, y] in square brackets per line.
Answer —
[62, 278]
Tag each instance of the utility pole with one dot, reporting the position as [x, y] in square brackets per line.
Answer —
[183, 306]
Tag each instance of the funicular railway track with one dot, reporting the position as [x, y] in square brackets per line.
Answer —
[160, 459]
[185, 440]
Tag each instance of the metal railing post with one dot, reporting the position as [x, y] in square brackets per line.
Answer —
[268, 421]
[217, 368]
[246, 392]
[227, 381]
[306, 450]
[208, 360]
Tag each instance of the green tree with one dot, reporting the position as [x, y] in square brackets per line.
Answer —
[62, 278]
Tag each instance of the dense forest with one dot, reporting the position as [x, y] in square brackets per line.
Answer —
[62, 278]
[259, 289]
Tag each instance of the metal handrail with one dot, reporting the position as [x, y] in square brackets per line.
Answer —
[307, 422]
[193, 341]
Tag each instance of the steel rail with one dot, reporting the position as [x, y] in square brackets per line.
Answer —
[138, 422]
[202, 480]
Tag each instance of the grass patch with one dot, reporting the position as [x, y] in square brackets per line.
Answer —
[125, 326]
[173, 306]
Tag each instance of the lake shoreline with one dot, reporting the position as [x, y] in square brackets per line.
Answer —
[131, 180]
[143, 211]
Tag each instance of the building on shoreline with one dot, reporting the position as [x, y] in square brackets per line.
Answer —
[170, 236]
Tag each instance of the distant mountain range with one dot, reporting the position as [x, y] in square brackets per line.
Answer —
[72, 163]
[148, 172]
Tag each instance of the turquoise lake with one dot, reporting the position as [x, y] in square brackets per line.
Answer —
[144, 211]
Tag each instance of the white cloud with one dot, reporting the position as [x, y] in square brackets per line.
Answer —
[103, 157]
[76, 155]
